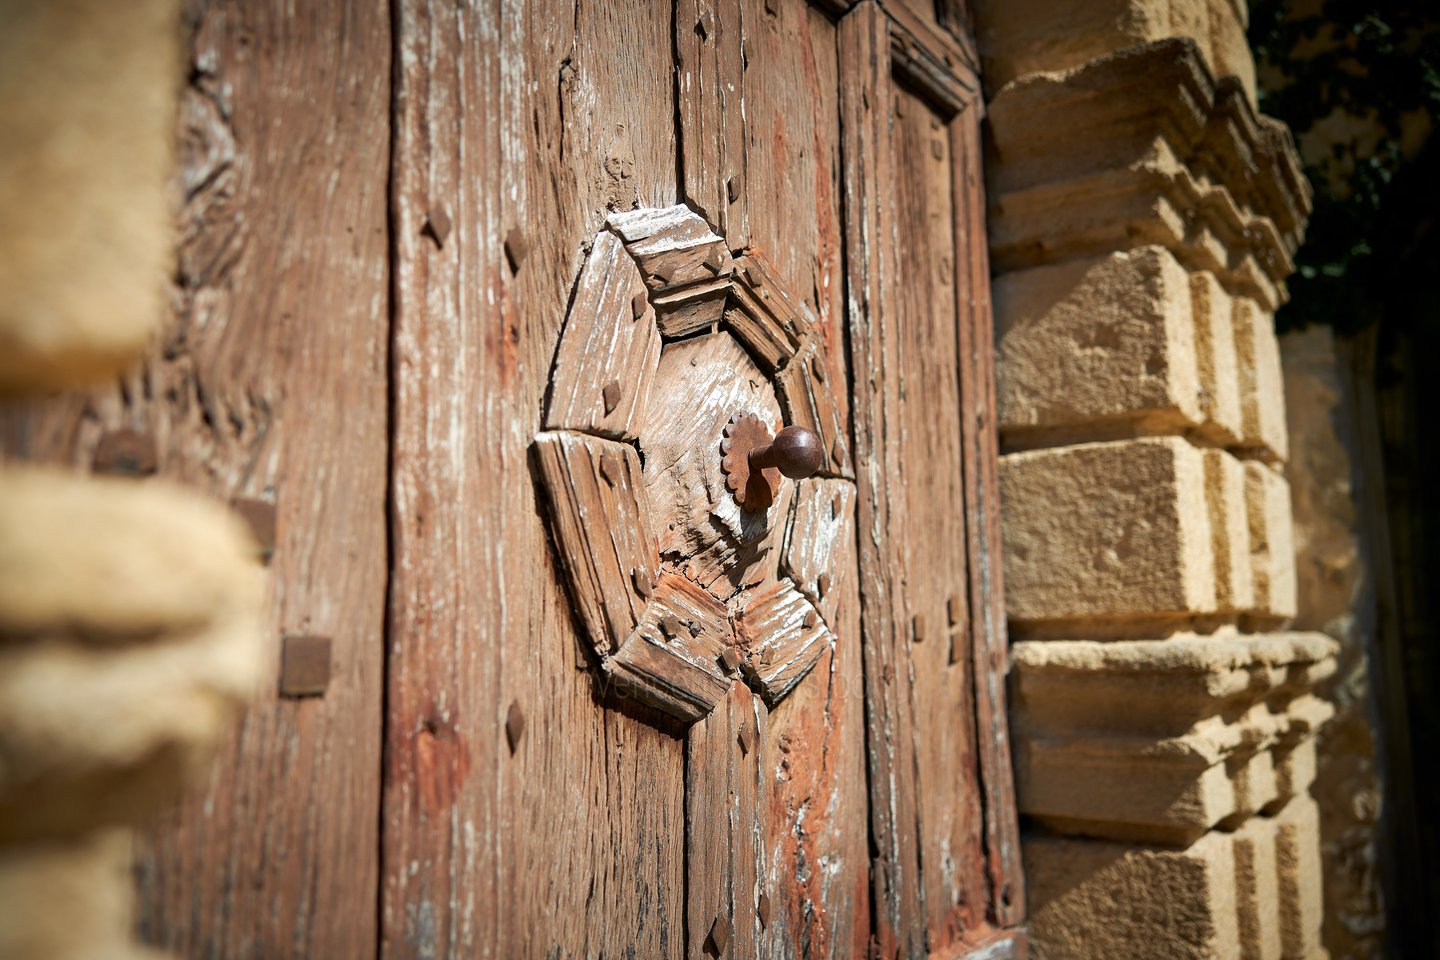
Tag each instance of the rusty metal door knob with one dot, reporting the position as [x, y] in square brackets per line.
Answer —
[753, 460]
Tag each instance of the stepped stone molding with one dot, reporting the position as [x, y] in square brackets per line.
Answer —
[1143, 220]
[1155, 151]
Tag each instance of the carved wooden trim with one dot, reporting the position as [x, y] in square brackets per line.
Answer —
[671, 629]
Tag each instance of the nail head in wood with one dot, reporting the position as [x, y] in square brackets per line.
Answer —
[641, 579]
[259, 516]
[823, 584]
[935, 149]
[719, 935]
[304, 666]
[732, 193]
[609, 469]
[125, 452]
[729, 659]
[514, 725]
[637, 306]
[437, 226]
[515, 249]
[917, 627]
[954, 610]
[763, 909]
[705, 26]
[611, 396]
[746, 738]
[811, 618]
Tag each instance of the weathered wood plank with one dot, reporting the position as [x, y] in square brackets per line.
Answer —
[609, 348]
[278, 337]
[685, 265]
[817, 843]
[990, 644]
[674, 660]
[872, 266]
[817, 853]
[781, 635]
[600, 516]
[725, 829]
[940, 63]
[710, 87]
[808, 391]
[926, 424]
[493, 102]
[761, 313]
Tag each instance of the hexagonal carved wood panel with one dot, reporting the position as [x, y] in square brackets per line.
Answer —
[679, 589]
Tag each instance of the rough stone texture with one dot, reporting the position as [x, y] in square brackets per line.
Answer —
[1297, 854]
[130, 613]
[68, 900]
[1038, 36]
[1262, 389]
[1257, 889]
[1162, 740]
[1219, 363]
[1101, 343]
[1230, 526]
[1091, 898]
[1107, 530]
[87, 103]
[1335, 596]
[1144, 146]
[1272, 541]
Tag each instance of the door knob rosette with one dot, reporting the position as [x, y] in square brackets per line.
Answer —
[686, 555]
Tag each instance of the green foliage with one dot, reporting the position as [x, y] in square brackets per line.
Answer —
[1359, 84]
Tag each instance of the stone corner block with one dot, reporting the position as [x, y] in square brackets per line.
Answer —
[1107, 530]
[1272, 541]
[1098, 340]
[1102, 900]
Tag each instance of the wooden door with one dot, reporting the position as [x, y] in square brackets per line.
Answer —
[395, 220]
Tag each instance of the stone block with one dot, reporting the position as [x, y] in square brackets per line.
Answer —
[87, 123]
[1257, 889]
[1107, 531]
[1215, 351]
[1160, 740]
[1230, 526]
[1262, 384]
[1272, 541]
[1297, 856]
[130, 637]
[1037, 36]
[1097, 900]
[1150, 121]
[69, 900]
[1091, 346]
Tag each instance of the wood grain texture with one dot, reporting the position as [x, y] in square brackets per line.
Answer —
[685, 266]
[873, 269]
[600, 516]
[781, 634]
[761, 313]
[817, 847]
[607, 344]
[989, 642]
[725, 828]
[673, 659]
[573, 844]
[710, 92]
[702, 383]
[792, 137]
[808, 391]
[269, 384]
[926, 424]
[817, 852]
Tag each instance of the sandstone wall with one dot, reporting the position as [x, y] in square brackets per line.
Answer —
[1143, 219]
[129, 610]
[1336, 594]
